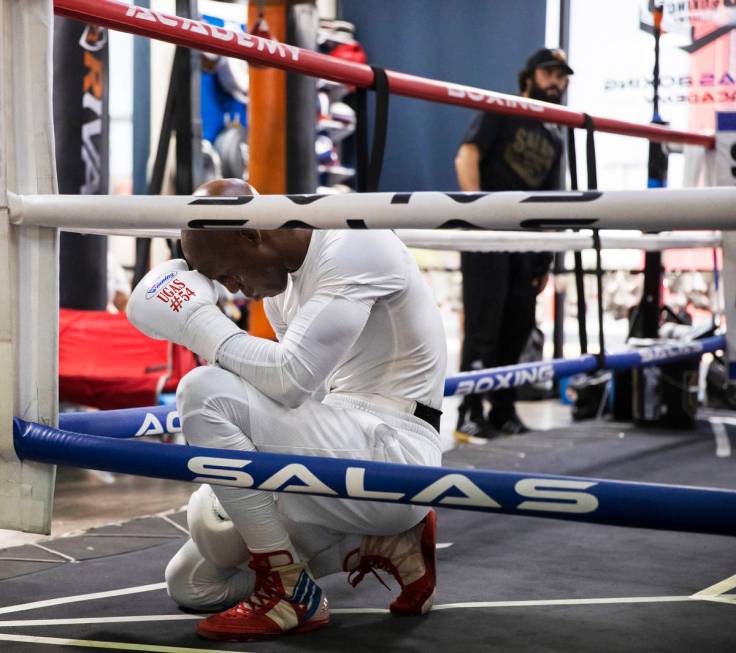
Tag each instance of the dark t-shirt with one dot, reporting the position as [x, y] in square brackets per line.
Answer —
[516, 153]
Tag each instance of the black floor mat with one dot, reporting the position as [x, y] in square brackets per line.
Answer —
[505, 583]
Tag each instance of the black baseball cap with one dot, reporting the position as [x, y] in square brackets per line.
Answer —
[546, 58]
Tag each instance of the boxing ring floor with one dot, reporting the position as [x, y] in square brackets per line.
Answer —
[506, 583]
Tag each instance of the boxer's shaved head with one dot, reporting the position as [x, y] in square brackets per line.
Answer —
[204, 246]
[225, 188]
[256, 262]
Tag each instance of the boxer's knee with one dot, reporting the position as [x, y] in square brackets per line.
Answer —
[214, 408]
[195, 583]
[199, 385]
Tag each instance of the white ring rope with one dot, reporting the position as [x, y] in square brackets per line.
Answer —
[498, 241]
[653, 210]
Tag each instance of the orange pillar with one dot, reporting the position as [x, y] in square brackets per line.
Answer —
[267, 110]
[267, 131]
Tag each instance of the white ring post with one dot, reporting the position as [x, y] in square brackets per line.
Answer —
[29, 301]
[725, 175]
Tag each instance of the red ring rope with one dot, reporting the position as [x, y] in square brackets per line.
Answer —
[202, 36]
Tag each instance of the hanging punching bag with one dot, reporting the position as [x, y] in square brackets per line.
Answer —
[81, 129]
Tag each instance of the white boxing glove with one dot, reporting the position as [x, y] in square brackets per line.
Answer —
[175, 303]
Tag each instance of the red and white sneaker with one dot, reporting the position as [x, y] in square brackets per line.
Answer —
[409, 557]
[285, 600]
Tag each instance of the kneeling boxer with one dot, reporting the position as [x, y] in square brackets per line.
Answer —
[357, 372]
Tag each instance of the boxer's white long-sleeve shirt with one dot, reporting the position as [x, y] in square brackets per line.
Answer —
[356, 317]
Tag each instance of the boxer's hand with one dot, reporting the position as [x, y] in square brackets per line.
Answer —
[174, 303]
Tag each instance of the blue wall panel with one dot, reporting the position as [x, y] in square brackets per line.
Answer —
[477, 42]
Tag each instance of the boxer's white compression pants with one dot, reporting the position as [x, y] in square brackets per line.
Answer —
[217, 408]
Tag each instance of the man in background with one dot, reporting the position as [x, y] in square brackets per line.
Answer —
[506, 153]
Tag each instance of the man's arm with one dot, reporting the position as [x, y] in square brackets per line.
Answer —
[174, 303]
[467, 166]
[275, 318]
[354, 272]
[325, 328]
[477, 143]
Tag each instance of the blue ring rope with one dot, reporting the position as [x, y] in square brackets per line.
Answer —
[620, 503]
[157, 420]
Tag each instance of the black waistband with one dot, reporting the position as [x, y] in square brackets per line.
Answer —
[429, 415]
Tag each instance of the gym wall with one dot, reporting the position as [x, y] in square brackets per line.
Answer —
[476, 42]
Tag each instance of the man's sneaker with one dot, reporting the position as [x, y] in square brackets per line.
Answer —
[409, 557]
[285, 600]
[471, 425]
[512, 425]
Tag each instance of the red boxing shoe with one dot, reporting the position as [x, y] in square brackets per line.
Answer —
[285, 600]
[409, 557]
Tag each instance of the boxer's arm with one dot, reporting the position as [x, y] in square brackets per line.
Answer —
[275, 318]
[175, 303]
[467, 168]
[324, 330]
